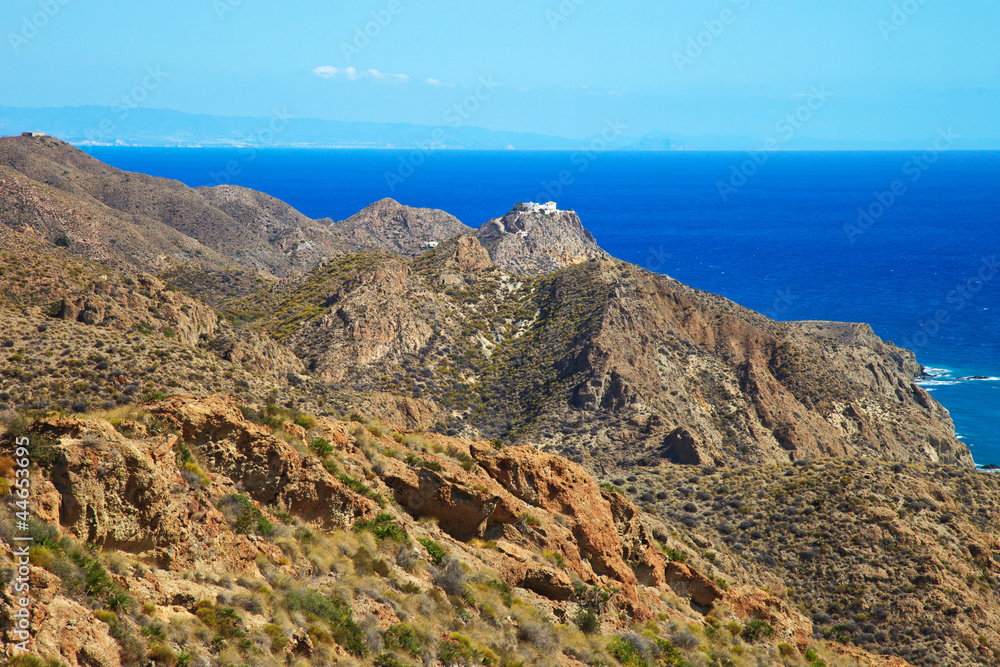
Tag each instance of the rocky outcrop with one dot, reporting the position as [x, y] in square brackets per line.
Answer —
[125, 308]
[536, 243]
[68, 629]
[270, 470]
[468, 255]
[122, 494]
[563, 488]
[390, 226]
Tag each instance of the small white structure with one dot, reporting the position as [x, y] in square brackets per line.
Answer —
[549, 207]
[430, 244]
[32, 134]
[523, 234]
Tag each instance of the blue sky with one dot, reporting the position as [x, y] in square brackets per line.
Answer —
[886, 69]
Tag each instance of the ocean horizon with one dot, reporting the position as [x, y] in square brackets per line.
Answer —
[904, 241]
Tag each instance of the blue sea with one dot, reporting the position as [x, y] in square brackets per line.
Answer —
[908, 242]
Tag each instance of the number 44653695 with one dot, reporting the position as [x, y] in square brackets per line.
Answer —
[23, 481]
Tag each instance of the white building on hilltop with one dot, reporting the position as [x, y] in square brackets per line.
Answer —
[549, 207]
[430, 244]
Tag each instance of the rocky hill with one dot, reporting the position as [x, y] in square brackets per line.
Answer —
[535, 243]
[602, 361]
[154, 224]
[288, 449]
[390, 226]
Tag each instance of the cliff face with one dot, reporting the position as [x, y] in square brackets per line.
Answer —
[695, 379]
[536, 243]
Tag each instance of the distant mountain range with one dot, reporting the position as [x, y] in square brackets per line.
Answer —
[94, 125]
[109, 126]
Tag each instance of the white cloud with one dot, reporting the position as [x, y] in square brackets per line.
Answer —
[434, 82]
[326, 71]
[353, 74]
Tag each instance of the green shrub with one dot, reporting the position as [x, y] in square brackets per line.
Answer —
[162, 655]
[248, 519]
[417, 462]
[336, 611]
[626, 653]
[458, 650]
[607, 487]
[587, 620]
[555, 558]
[43, 450]
[403, 637]
[674, 554]
[669, 656]
[223, 620]
[361, 488]
[277, 636]
[502, 587]
[383, 527]
[434, 550]
[106, 616]
[193, 467]
[305, 421]
[756, 629]
[321, 447]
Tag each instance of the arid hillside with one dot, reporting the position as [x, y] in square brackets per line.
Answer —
[206, 531]
[603, 361]
[154, 224]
